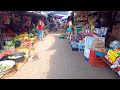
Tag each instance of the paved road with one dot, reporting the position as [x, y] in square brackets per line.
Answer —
[54, 59]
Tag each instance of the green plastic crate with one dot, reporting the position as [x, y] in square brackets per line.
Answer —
[61, 37]
[78, 29]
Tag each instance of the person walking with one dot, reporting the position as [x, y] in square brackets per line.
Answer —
[51, 26]
[69, 29]
[40, 26]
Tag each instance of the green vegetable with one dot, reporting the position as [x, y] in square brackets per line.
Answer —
[21, 46]
[9, 43]
[3, 68]
[13, 57]
[1, 51]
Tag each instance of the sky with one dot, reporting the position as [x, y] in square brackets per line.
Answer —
[60, 12]
[64, 13]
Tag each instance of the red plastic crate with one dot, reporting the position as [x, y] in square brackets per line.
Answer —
[99, 62]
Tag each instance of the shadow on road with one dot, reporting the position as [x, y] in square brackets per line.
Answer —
[68, 64]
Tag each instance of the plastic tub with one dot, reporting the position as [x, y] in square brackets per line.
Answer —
[100, 54]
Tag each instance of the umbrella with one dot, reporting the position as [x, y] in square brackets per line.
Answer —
[64, 18]
[58, 16]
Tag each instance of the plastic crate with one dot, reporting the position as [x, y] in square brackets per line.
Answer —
[78, 29]
[99, 62]
[61, 37]
[75, 49]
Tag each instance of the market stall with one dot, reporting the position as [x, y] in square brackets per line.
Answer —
[17, 43]
[91, 33]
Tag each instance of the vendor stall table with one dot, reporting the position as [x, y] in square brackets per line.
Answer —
[18, 66]
[108, 63]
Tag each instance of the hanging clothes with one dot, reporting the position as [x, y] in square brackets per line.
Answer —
[6, 20]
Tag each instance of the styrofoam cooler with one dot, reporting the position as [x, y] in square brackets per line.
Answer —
[88, 41]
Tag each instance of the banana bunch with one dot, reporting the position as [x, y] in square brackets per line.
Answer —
[22, 35]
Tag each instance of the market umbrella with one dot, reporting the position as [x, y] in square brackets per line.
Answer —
[64, 18]
[58, 16]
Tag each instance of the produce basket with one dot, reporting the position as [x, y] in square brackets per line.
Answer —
[20, 59]
[6, 66]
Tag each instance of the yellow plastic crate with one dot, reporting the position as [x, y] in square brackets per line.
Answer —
[111, 52]
[112, 58]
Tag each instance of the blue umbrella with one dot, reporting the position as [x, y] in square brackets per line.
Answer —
[64, 18]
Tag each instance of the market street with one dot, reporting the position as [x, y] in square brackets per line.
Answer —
[53, 58]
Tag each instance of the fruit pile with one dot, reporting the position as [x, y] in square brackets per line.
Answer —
[112, 55]
[101, 49]
[22, 36]
[25, 45]
[4, 53]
